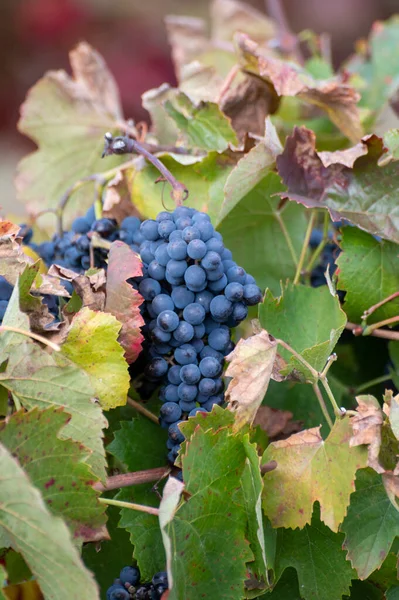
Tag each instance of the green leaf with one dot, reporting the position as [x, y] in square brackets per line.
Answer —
[141, 444]
[371, 524]
[107, 560]
[391, 142]
[204, 126]
[204, 179]
[252, 487]
[379, 74]
[67, 117]
[316, 554]
[327, 471]
[43, 540]
[392, 593]
[56, 468]
[38, 379]
[92, 344]
[207, 533]
[368, 270]
[264, 237]
[309, 319]
[364, 590]
[251, 169]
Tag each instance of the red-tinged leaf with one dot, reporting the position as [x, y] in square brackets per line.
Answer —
[123, 301]
[366, 426]
[311, 469]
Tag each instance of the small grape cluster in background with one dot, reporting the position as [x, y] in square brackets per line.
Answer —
[194, 295]
[129, 587]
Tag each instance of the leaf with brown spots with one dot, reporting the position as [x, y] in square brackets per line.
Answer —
[251, 367]
[366, 426]
[42, 538]
[56, 467]
[122, 300]
[311, 469]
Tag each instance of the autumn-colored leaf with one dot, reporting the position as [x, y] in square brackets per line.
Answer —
[123, 301]
[366, 427]
[337, 99]
[311, 469]
[251, 367]
[117, 203]
[90, 288]
[278, 424]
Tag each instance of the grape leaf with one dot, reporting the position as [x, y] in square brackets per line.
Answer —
[207, 533]
[264, 237]
[37, 378]
[251, 169]
[316, 553]
[365, 195]
[368, 270]
[82, 108]
[43, 540]
[337, 99]
[286, 587]
[205, 178]
[311, 469]
[309, 319]
[57, 469]
[141, 444]
[92, 344]
[123, 301]
[204, 126]
[371, 525]
[251, 366]
[392, 593]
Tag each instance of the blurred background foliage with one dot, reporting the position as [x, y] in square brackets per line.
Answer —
[36, 35]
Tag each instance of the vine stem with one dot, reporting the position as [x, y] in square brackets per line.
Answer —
[375, 381]
[34, 336]
[144, 411]
[381, 333]
[370, 328]
[370, 310]
[136, 478]
[325, 384]
[125, 145]
[150, 510]
[323, 406]
[305, 363]
[304, 247]
[287, 238]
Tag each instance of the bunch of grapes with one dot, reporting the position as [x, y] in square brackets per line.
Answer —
[194, 295]
[128, 586]
[327, 259]
[72, 249]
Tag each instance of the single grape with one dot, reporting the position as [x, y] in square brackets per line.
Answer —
[168, 320]
[165, 228]
[240, 312]
[156, 271]
[183, 223]
[181, 296]
[227, 255]
[130, 224]
[80, 225]
[252, 294]
[219, 285]
[164, 216]
[186, 392]
[174, 375]
[177, 249]
[207, 386]
[185, 355]
[199, 331]
[157, 368]
[215, 245]
[162, 302]
[149, 230]
[170, 412]
[172, 455]
[160, 578]
[194, 313]
[234, 291]
[190, 374]
[211, 261]
[187, 406]
[206, 230]
[195, 410]
[197, 343]
[161, 253]
[237, 274]
[130, 575]
[196, 249]
[212, 401]
[219, 339]
[171, 393]
[159, 336]
[204, 298]
[195, 278]
[149, 288]
[221, 308]
[184, 332]
[190, 233]
[176, 268]
[210, 367]
[104, 227]
[117, 592]
[175, 434]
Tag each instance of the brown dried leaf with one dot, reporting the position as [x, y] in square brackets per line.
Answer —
[118, 197]
[123, 301]
[391, 485]
[337, 99]
[248, 104]
[367, 429]
[276, 423]
[90, 288]
[344, 157]
[251, 367]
